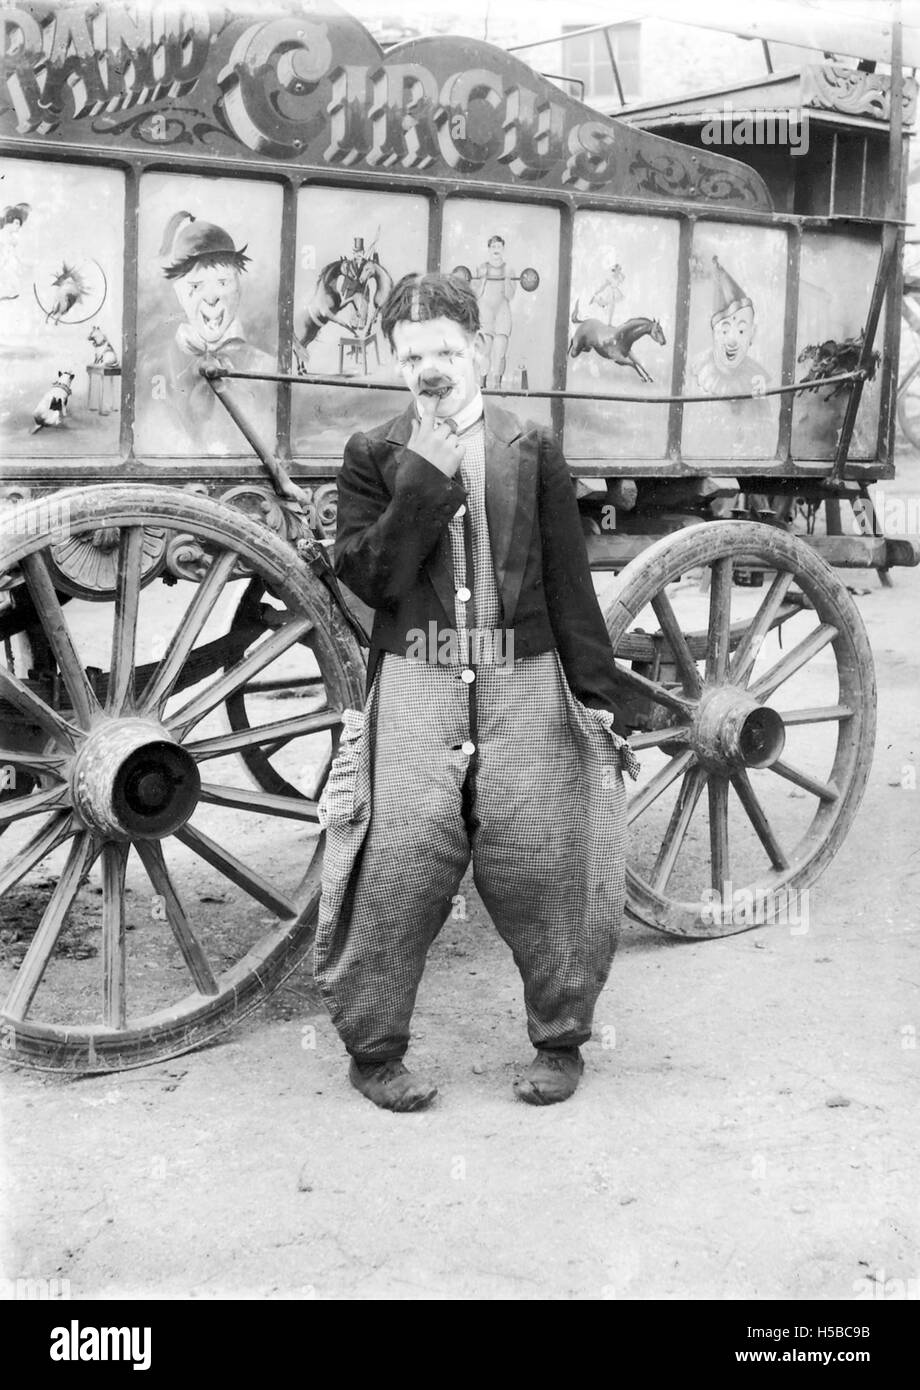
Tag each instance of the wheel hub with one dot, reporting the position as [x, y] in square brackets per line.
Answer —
[733, 731]
[132, 781]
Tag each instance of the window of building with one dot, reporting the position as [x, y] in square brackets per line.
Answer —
[587, 58]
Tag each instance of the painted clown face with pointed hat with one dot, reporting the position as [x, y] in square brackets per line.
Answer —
[732, 322]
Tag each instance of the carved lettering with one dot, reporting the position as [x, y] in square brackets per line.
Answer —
[403, 99]
[534, 133]
[73, 83]
[476, 94]
[272, 69]
[347, 118]
[591, 161]
[20, 49]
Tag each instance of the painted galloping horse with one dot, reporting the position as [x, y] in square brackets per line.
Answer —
[615, 343]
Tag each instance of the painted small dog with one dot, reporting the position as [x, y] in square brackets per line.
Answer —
[105, 354]
[52, 407]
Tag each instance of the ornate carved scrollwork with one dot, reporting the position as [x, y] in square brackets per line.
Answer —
[326, 508]
[838, 88]
[284, 517]
[259, 503]
[186, 557]
[674, 177]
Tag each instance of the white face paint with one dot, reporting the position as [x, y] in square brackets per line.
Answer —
[731, 339]
[210, 297]
[441, 354]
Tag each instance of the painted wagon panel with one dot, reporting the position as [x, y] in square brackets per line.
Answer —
[294, 138]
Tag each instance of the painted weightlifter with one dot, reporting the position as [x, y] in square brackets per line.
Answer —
[456, 519]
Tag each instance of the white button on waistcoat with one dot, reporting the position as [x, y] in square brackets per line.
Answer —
[467, 747]
[468, 676]
[464, 595]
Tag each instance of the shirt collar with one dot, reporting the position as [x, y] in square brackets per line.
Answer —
[470, 414]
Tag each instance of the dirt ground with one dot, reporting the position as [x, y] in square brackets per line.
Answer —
[747, 1126]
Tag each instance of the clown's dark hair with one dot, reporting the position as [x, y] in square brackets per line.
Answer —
[418, 298]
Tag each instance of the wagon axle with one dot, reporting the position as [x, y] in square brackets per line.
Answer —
[131, 780]
[732, 730]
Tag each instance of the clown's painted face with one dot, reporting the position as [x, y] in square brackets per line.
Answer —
[732, 337]
[439, 357]
[210, 298]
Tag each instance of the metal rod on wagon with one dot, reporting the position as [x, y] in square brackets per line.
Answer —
[858, 375]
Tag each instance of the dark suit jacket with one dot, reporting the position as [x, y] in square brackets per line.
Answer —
[394, 506]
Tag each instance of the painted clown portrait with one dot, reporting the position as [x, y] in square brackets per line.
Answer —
[727, 366]
[204, 304]
[735, 342]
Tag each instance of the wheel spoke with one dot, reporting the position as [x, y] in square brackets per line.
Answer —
[748, 649]
[23, 806]
[687, 798]
[678, 642]
[653, 738]
[653, 691]
[718, 833]
[36, 762]
[265, 803]
[47, 605]
[283, 730]
[252, 883]
[54, 832]
[305, 683]
[260, 657]
[35, 709]
[793, 661]
[124, 630]
[29, 976]
[193, 953]
[819, 714]
[757, 816]
[657, 784]
[114, 860]
[826, 791]
[720, 620]
[158, 689]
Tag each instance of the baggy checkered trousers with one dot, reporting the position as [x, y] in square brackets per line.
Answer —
[543, 821]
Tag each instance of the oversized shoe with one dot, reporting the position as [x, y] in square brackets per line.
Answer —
[552, 1076]
[392, 1086]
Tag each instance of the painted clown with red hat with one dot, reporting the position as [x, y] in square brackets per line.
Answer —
[726, 368]
[205, 269]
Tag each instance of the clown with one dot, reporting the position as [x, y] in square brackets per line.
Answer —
[726, 368]
[205, 270]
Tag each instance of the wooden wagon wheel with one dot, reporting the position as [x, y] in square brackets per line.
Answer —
[127, 761]
[769, 712]
[265, 763]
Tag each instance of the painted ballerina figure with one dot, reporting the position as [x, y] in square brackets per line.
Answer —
[11, 224]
